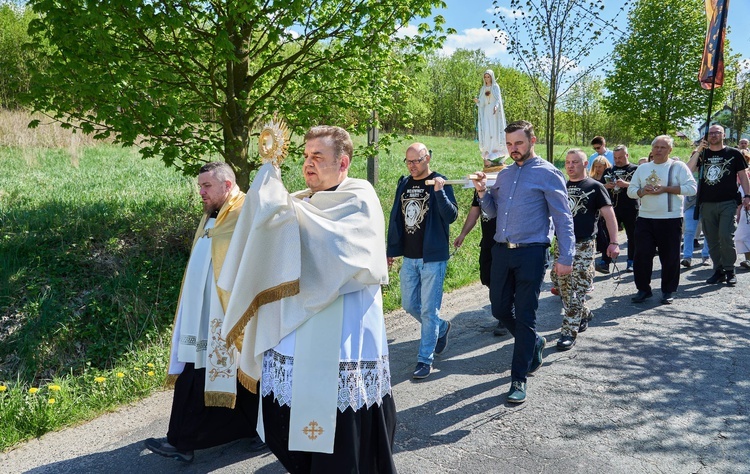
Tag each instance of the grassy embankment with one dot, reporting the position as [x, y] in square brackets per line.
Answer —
[93, 243]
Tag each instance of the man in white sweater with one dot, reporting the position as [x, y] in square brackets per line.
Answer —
[660, 185]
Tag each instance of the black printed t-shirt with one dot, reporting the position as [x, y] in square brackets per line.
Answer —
[720, 174]
[414, 206]
[619, 196]
[586, 197]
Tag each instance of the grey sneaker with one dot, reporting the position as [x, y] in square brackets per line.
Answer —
[162, 447]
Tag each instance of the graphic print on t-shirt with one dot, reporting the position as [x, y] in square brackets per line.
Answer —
[414, 207]
[578, 200]
[717, 169]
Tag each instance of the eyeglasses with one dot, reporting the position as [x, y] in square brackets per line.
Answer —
[597, 148]
[715, 133]
[415, 162]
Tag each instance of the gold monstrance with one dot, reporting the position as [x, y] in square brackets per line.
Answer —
[273, 142]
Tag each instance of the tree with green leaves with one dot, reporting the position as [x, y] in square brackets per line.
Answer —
[739, 101]
[551, 41]
[442, 101]
[654, 84]
[185, 79]
[14, 59]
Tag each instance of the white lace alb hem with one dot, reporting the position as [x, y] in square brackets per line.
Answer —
[361, 383]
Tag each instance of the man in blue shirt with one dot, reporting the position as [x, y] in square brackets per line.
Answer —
[599, 144]
[418, 231]
[524, 198]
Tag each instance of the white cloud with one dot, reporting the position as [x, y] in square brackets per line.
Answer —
[407, 31]
[506, 12]
[477, 38]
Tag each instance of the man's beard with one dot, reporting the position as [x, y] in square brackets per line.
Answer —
[523, 157]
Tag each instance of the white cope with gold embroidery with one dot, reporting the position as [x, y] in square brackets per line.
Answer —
[197, 334]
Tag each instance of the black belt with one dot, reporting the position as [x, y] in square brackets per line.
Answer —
[588, 239]
[520, 246]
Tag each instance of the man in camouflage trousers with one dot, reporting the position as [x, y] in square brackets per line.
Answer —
[588, 199]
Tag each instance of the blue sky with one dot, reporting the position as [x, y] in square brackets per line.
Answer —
[466, 16]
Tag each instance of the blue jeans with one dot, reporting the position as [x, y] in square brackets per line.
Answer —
[422, 296]
[515, 284]
[691, 225]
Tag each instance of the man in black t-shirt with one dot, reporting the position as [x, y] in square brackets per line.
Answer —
[723, 167]
[418, 230]
[587, 198]
[626, 209]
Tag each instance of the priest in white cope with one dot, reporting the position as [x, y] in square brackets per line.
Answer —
[209, 407]
[306, 310]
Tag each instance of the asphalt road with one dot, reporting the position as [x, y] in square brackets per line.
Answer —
[647, 389]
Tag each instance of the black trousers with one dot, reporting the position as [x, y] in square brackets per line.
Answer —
[485, 264]
[193, 425]
[666, 235]
[627, 216]
[363, 442]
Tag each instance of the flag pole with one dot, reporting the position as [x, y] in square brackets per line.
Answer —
[717, 58]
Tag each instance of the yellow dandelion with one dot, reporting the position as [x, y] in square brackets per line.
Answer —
[33, 390]
[137, 369]
[54, 388]
[150, 373]
[120, 375]
[51, 401]
[3, 388]
[99, 379]
[150, 365]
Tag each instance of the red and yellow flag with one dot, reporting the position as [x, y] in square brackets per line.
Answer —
[712, 66]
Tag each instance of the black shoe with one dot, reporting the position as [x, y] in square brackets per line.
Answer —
[717, 277]
[583, 326]
[731, 279]
[602, 267]
[163, 448]
[667, 298]
[442, 341]
[500, 330]
[257, 444]
[536, 362]
[565, 343]
[421, 371]
[641, 296]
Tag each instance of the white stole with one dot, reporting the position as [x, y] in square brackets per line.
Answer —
[315, 387]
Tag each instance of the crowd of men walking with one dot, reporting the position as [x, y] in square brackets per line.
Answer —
[297, 359]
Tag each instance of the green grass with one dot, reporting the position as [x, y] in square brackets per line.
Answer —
[92, 251]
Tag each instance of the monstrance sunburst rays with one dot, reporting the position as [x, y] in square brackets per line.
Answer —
[273, 142]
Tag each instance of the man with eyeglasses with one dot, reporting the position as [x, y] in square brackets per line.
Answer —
[724, 167]
[599, 144]
[419, 231]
